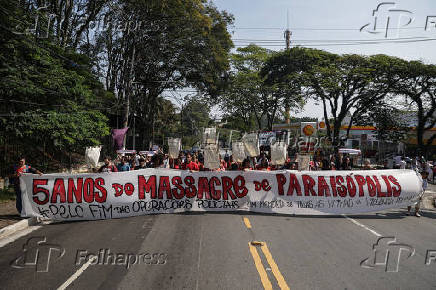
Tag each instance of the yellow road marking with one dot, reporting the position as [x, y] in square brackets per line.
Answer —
[247, 223]
[274, 268]
[262, 273]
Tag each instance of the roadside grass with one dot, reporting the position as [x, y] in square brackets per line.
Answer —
[7, 194]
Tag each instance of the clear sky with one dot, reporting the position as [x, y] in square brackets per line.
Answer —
[396, 28]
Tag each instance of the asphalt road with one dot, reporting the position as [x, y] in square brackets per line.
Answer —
[213, 251]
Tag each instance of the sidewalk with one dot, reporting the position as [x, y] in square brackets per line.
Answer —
[8, 213]
[429, 197]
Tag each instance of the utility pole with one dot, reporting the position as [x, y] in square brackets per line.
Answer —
[287, 35]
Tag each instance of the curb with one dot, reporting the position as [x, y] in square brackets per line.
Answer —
[21, 225]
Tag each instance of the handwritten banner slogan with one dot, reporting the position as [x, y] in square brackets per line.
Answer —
[152, 191]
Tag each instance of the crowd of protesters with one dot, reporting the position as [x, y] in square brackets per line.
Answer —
[194, 161]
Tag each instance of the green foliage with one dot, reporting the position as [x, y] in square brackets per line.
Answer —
[388, 120]
[195, 117]
[251, 97]
[343, 83]
[50, 97]
[7, 194]
[417, 83]
[70, 131]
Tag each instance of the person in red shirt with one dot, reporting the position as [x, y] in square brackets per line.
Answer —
[264, 165]
[177, 163]
[189, 164]
[17, 171]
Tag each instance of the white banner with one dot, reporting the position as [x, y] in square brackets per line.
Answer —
[238, 151]
[151, 191]
[266, 138]
[92, 154]
[174, 147]
[278, 153]
[211, 156]
[303, 162]
[251, 144]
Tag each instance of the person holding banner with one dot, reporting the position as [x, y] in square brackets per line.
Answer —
[234, 166]
[142, 164]
[108, 166]
[189, 164]
[18, 170]
[264, 164]
[124, 165]
[157, 161]
[246, 165]
[424, 176]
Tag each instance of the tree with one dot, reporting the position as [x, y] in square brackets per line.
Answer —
[418, 85]
[195, 117]
[180, 44]
[348, 83]
[50, 95]
[250, 96]
[390, 124]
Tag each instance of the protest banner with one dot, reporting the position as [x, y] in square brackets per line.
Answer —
[238, 151]
[152, 191]
[278, 153]
[92, 154]
[174, 147]
[303, 162]
[211, 156]
[118, 137]
[251, 144]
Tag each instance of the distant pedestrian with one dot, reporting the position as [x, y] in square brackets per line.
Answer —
[18, 170]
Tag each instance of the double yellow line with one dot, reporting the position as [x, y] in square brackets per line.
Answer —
[259, 266]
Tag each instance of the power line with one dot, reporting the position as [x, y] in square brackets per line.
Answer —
[329, 40]
[350, 42]
[312, 29]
